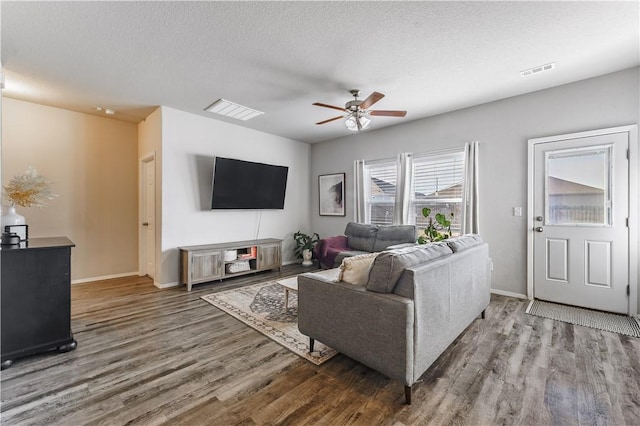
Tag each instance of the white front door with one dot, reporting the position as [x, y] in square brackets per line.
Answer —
[580, 221]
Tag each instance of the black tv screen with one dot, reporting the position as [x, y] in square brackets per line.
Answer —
[241, 184]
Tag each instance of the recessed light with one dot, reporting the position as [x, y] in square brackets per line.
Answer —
[107, 111]
[233, 110]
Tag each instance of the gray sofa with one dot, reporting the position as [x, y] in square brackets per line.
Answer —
[362, 238]
[416, 301]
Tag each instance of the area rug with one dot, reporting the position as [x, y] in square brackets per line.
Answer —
[261, 306]
[614, 323]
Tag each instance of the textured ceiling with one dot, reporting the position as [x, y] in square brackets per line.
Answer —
[280, 57]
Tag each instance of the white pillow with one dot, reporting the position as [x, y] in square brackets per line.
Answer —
[355, 269]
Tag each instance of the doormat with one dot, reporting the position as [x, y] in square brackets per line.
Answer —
[262, 307]
[614, 323]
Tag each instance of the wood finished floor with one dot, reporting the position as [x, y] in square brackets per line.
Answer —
[147, 356]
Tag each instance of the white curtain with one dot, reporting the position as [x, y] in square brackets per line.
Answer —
[359, 190]
[470, 219]
[403, 189]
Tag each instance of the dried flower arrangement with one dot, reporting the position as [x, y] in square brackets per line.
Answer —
[29, 189]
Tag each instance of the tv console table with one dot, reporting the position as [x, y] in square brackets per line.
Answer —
[204, 263]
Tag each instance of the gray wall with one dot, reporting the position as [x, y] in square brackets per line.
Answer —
[503, 129]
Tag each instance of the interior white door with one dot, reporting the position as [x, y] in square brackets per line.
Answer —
[149, 223]
[581, 208]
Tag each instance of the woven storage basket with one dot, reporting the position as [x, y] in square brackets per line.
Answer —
[239, 266]
[230, 255]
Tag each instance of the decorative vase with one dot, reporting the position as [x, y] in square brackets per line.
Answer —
[306, 257]
[11, 217]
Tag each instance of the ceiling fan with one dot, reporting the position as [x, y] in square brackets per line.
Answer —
[357, 111]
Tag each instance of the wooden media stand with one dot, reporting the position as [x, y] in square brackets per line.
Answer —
[204, 263]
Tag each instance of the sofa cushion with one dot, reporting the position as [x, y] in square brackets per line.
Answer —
[463, 242]
[360, 236]
[389, 265]
[394, 234]
[344, 254]
[355, 269]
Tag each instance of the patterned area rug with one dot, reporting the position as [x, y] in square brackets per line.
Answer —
[614, 323]
[261, 306]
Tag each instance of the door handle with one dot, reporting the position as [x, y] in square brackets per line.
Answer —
[145, 223]
[538, 229]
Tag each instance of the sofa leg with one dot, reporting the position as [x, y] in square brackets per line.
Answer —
[311, 343]
[407, 394]
[483, 315]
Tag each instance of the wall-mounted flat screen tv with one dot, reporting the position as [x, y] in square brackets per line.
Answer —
[239, 184]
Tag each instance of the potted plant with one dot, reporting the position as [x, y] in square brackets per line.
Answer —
[304, 246]
[438, 230]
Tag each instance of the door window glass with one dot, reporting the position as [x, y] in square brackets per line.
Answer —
[578, 186]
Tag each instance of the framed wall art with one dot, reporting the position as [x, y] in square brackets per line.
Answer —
[331, 193]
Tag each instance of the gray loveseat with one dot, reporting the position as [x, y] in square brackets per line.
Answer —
[362, 238]
[416, 301]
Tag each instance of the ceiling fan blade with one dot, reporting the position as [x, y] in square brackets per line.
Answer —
[331, 119]
[329, 106]
[388, 113]
[372, 99]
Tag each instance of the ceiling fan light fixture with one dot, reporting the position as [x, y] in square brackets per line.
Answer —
[357, 123]
[351, 124]
[358, 111]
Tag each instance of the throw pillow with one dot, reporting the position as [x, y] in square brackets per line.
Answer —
[389, 265]
[463, 242]
[361, 236]
[355, 269]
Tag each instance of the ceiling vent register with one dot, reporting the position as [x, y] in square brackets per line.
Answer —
[232, 110]
[537, 70]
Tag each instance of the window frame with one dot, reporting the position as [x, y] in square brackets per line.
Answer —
[404, 200]
[454, 160]
[368, 203]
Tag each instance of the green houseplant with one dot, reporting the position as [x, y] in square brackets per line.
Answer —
[437, 230]
[304, 246]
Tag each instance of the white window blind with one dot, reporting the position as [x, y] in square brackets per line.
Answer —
[437, 183]
[380, 179]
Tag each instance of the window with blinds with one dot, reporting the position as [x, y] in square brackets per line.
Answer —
[381, 179]
[437, 183]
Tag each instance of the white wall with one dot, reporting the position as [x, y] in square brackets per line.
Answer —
[189, 143]
[502, 128]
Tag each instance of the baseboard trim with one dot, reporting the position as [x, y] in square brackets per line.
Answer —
[104, 277]
[166, 285]
[509, 294]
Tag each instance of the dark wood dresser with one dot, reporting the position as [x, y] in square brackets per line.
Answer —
[35, 298]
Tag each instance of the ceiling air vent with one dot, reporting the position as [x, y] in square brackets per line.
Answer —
[537, 70]
[232, 110]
